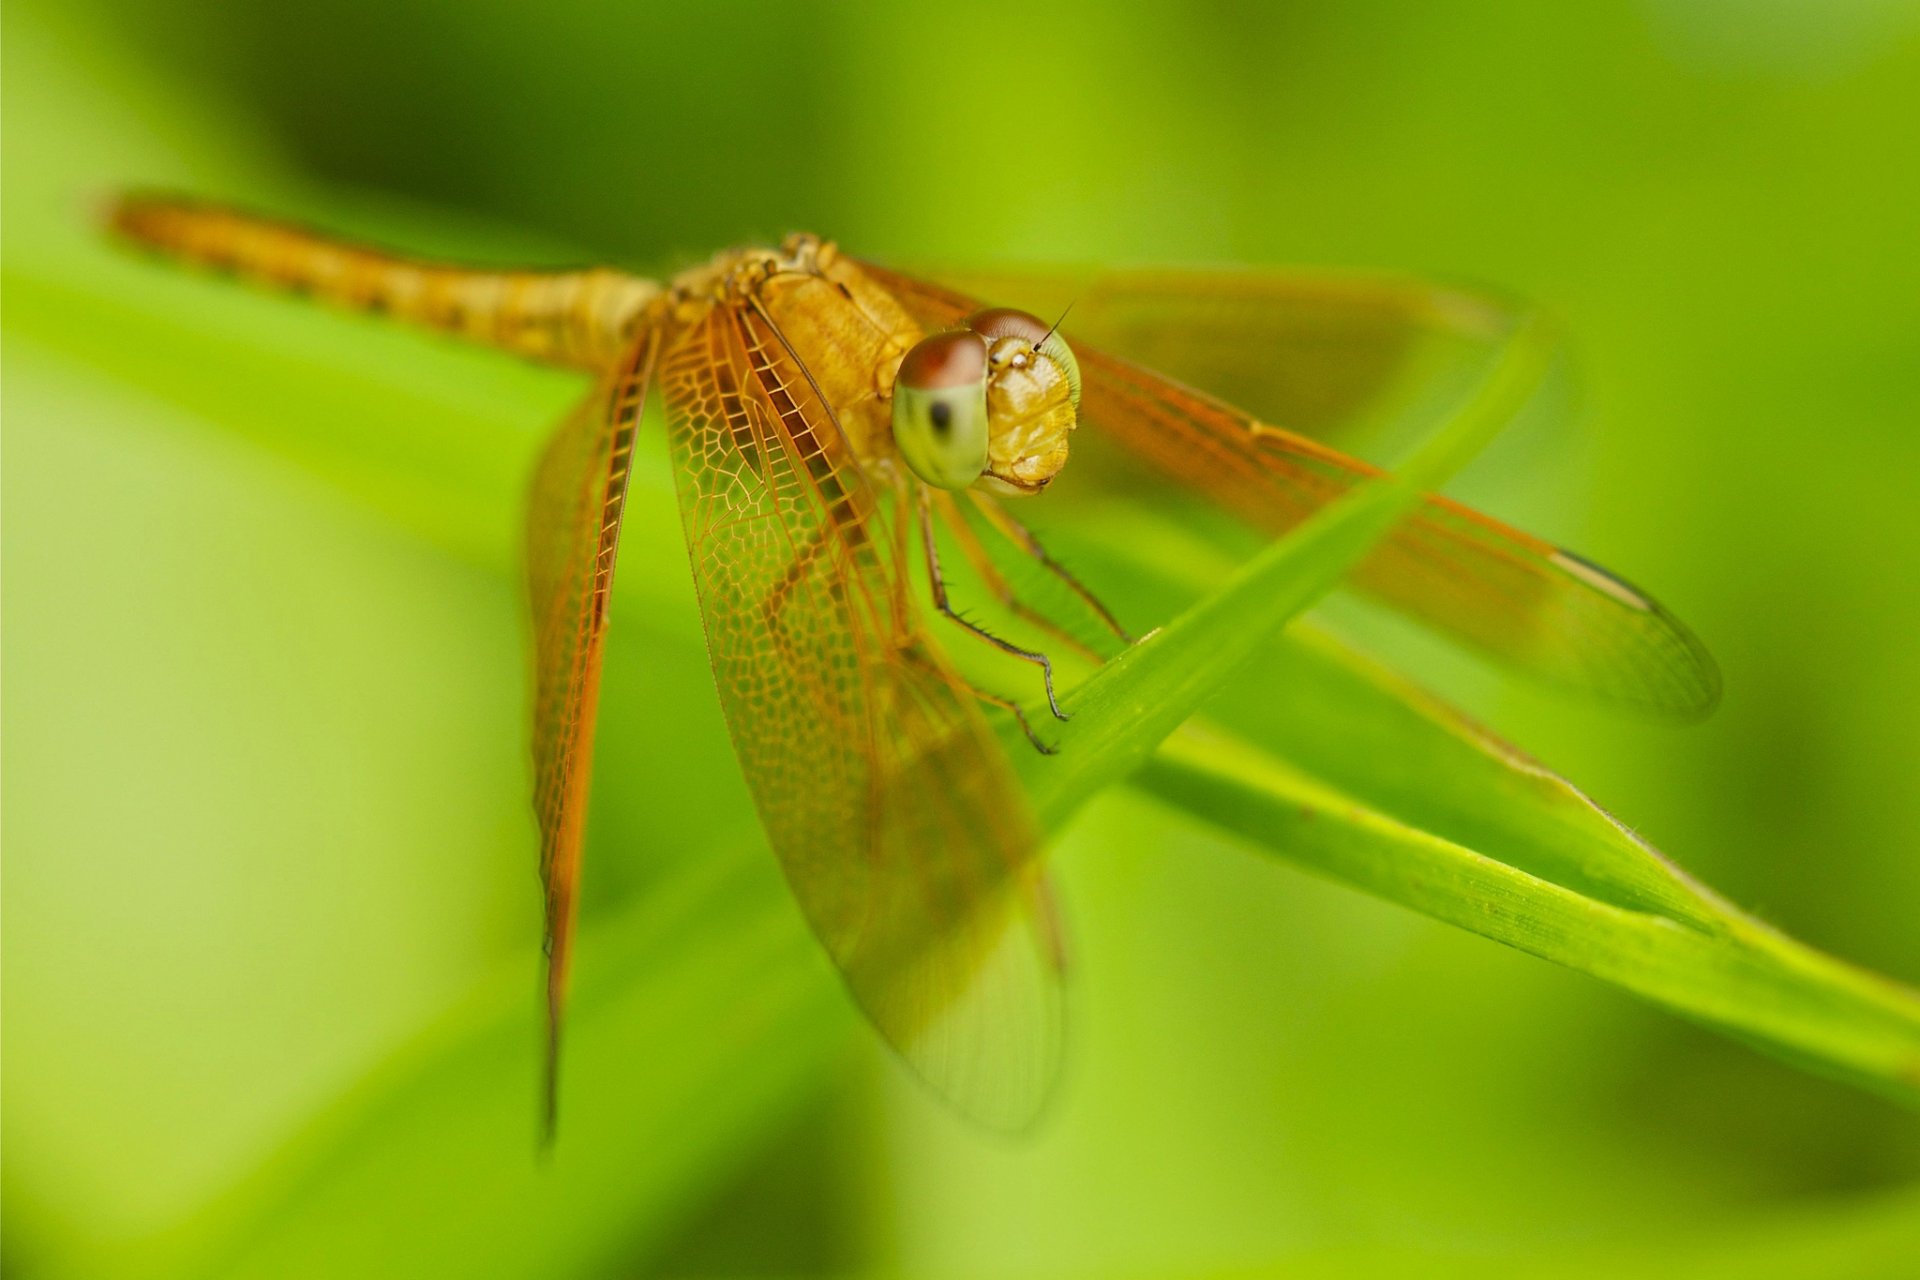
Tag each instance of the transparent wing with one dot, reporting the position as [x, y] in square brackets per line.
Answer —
[1526, 601]
[891, 806]
[573, 532]
[1315, 353]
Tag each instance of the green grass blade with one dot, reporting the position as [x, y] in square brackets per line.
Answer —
[1130, 705]
[1746, 980]
[1365, 730]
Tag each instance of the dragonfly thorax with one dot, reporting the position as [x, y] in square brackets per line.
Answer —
[992, 402]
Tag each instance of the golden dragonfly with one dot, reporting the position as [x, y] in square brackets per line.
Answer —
[825, 414]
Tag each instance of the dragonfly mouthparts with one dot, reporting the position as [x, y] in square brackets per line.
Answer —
[1009, 484]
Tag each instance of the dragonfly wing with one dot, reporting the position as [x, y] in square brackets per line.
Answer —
[573, 532]
[891, 806]
[1315, 353]
[1524, 600]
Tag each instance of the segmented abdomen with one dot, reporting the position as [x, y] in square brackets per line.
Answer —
[585, 319]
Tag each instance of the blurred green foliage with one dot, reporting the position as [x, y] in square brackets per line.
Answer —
[266, 843]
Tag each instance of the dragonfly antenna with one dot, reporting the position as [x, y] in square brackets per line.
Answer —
[1056, 324]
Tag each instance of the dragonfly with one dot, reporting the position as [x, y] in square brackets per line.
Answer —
[827, 418]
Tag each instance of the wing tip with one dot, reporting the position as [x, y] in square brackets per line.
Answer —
[988, 1048]
[1691, 689]
[1701, 687]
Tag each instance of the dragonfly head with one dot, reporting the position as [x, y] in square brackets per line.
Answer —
[993, 401]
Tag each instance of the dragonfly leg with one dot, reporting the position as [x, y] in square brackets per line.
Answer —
[1040, 744]
[1044, 747]
[996, 581]
[938, 583]
[1022, 537]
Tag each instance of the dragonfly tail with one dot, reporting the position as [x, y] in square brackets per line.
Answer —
[581, 319]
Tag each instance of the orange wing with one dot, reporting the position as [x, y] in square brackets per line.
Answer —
[891, 806]
[573, 532]
[1524, 600]
[1314, 353]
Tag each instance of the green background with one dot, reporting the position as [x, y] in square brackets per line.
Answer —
[266, 843]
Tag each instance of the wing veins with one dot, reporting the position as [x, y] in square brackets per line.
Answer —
[883, 790]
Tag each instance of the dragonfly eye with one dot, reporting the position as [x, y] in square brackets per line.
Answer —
[940, 409]
[1055, 348]
[1007, 322]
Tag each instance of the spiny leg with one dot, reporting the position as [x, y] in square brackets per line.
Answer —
[1040, 744]
[996, 582]
[1022, 537]
[902, 499]
[940, 602]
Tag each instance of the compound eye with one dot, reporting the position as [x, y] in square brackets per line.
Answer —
[1008, 322]
[940, 409]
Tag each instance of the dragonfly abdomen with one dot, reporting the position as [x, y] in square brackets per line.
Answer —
[585, 319]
